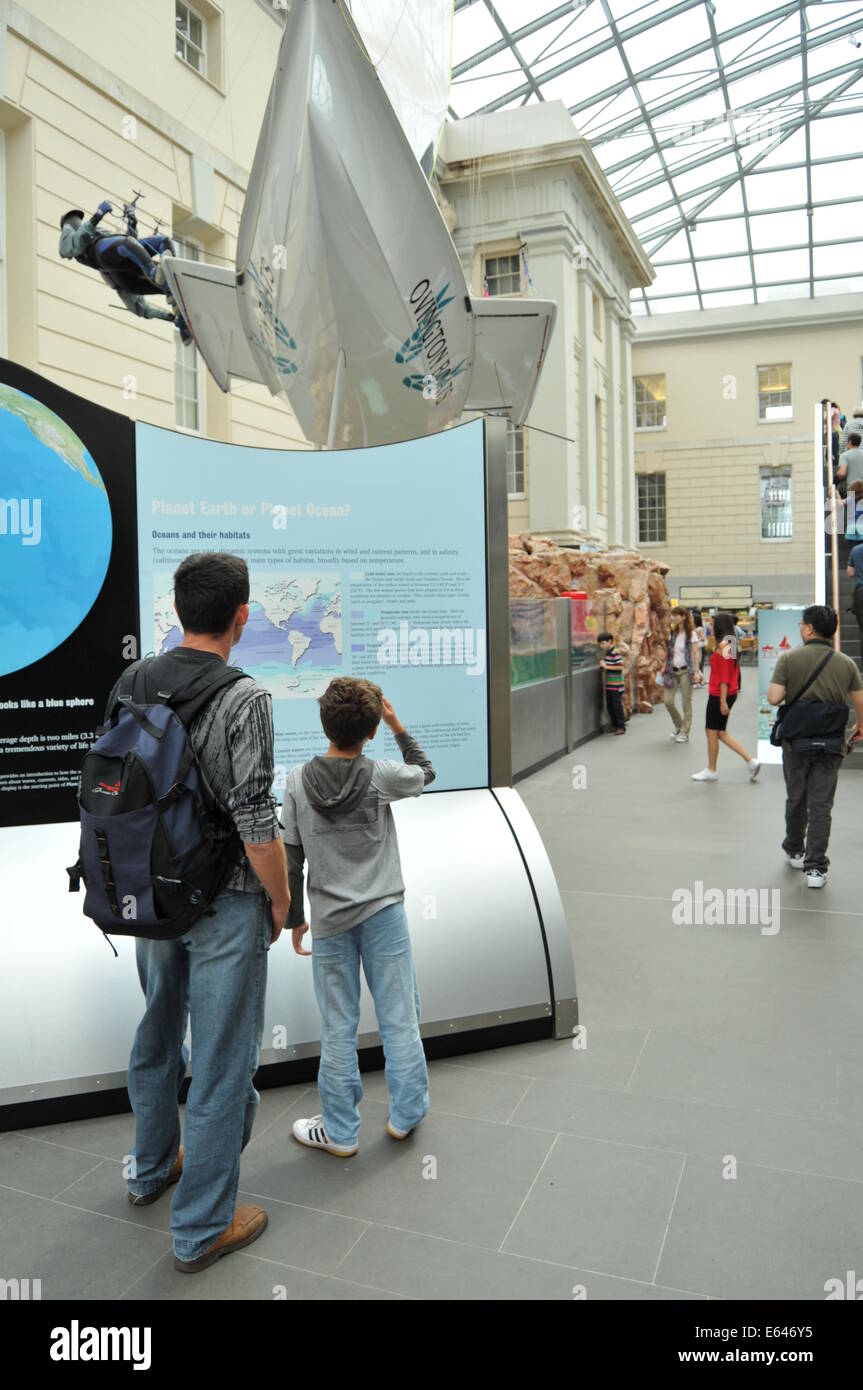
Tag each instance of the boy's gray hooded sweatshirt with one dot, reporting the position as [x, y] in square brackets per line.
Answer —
[336, 814]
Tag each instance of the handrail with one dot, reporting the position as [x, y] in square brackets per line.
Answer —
[833, 497]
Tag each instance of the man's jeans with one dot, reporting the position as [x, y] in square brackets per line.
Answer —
[216, 975]
[383, 945]
[810, 784]
[858, 611]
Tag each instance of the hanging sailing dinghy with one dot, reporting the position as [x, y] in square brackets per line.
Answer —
[349, 297]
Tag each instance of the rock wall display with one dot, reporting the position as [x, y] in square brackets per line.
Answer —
[628, 597]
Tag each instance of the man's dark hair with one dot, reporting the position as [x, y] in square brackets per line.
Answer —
[822, 617]
[351, 709]
[208, 590]
[855, 440]
[605, 637]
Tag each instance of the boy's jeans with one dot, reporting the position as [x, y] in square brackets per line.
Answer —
[217, 975]
[383, 945]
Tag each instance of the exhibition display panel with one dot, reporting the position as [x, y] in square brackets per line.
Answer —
[387, 562]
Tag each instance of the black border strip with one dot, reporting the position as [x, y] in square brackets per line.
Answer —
[90, 1105]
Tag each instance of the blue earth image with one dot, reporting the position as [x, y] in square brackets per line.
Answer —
[55, 530]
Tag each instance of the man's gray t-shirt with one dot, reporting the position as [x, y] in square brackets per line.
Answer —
[853, 460]
[855, 560]
[354, 869]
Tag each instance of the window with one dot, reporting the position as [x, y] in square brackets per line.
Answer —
[776, 524]
[191, 37]
[774, 392]
[187, 367]
[649, 394]
[502, 274]
[598, 314]
[651, 507]
[601, 502]
[514, 461]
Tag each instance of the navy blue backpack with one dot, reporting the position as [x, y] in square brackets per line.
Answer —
[149, 858]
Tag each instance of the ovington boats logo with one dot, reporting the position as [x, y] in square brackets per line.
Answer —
[428, 341]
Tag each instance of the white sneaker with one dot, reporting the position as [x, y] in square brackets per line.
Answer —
[681, 738]
[397, 1133]
[815, 879]
[795, 860]
[754, 768]
[705, 776]
[675, 736]
[314, 1136]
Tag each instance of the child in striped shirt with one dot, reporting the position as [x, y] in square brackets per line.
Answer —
[612, 674]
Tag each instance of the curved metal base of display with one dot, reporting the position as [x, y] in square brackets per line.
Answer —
[490, 942]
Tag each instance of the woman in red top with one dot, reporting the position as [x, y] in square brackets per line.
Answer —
[721, 695]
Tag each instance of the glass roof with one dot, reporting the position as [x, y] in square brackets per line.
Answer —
[728, 129]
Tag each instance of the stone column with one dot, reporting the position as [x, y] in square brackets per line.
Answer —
[554, 489]
[587, 390]
[629, 528]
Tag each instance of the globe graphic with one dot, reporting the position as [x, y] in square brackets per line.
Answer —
[55, 530]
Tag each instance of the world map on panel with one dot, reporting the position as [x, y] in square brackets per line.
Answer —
[292, 642]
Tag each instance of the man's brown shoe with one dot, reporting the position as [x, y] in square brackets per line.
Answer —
[174, 1176]
[249, 1222]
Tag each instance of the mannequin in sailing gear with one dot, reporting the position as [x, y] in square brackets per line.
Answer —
[126, 263]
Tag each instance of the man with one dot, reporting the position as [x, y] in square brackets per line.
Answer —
[854, 570]
[851, 465]
[216, 974]
[812, 758]
[125, 262]
[853, 425]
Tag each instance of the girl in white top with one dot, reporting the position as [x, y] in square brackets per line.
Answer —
[682, 672]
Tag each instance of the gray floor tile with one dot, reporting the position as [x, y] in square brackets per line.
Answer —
[728, 1071]
[601, 1207]
[831, 1018]
[762, 1235]
[77, 1255]
[607, 1059]
[456, 1091]
[427, 1268]
[384, 1181]
[31, 1165]
[833, 1147]
[248, 1276]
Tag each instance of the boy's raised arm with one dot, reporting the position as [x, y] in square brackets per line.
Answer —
[408, 746]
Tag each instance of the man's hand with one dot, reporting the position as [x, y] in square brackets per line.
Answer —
[297, 934]
[855, 736]
[723, 709]
[279, 913]
[104, 208]
[391, 719]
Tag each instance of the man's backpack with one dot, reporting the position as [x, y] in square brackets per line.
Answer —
[149, 857]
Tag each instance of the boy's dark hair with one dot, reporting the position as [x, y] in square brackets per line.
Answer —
[605, 637]
[855, 440]
[208, 590]
[351, 709]
[822, 617]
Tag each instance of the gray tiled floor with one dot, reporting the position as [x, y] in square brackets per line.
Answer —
[707, 1142]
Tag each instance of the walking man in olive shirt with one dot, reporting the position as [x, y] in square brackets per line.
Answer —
[811, 760]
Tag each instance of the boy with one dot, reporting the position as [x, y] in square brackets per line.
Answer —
[612, 669]
[336, 813]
